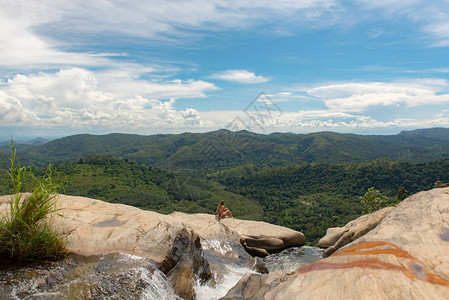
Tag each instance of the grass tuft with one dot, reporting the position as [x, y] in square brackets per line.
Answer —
[26, 229]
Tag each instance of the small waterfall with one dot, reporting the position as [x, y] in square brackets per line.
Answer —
[292, 258]
[158, 287]
[229, 262]
[123, 276]
[110, 276]
[228, 266]
[222, 283]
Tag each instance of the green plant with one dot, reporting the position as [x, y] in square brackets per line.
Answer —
[26, 231]
[374, 200]
[402, 194]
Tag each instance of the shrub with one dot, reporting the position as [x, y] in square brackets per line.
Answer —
[26, 231]
[374, 200]
[402, 194]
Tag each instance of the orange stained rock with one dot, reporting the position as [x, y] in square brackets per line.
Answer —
[353, 250]
[376, 264]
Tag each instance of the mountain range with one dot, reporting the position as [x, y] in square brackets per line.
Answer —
[223, 149]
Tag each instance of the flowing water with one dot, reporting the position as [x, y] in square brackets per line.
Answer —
[123, 276]
[227, 275]
[292, 258]
[110, 276]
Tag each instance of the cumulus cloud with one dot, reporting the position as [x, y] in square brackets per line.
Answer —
[350, 106]
[13, 112]
[240, 76]
[358, 97]
[73, 98]
[306, 121]
[73, 88]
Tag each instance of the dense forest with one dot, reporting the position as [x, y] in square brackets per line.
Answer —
[203, 153]
[120, 181]
[309, 197]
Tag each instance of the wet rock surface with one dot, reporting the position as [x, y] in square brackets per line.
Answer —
[110, 276]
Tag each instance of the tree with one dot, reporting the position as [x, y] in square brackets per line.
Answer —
[373, 200]
[402, 194]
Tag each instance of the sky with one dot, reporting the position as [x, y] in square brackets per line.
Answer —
[146, 67]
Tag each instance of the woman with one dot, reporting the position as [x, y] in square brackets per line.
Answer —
[222, 211]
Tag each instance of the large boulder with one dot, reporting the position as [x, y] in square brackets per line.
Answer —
[338, 237]
[403, 257]
[331, 237]
[262, 235]
[259, 238]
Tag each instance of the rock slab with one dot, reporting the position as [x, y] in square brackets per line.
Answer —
[338, 237]
[175, 243]
[403, 257]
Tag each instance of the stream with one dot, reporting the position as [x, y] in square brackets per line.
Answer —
[124, 276]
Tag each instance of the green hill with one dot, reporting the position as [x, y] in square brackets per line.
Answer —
[311, 197]
[222, 149]
[119, 181]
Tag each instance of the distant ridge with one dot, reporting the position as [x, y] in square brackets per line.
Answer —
[36, 141]
[223, 149]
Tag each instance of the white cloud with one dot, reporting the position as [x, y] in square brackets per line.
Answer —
[240, 76]
[33, 35]
[440, 30]
[175, 17]
[429, 17]
[306, 121]
[319, 114]
[21, 47]
[166, 89]
[358, 97]
[76, 87]
[289, 96]
[73, 98]
[350, 107]
[13, 112]
[41, 34]
[72, 88]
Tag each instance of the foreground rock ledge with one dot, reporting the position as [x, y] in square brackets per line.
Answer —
[404, 257]
[255, 236]
[98, 227]
[174, 242]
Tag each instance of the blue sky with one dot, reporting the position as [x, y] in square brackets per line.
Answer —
[371, 67]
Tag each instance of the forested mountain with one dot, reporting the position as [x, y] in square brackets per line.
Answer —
[222, 149]
[308, 182]
[311, 197]
[118, 181]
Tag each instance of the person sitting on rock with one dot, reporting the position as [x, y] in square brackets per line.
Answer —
[222, 211]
